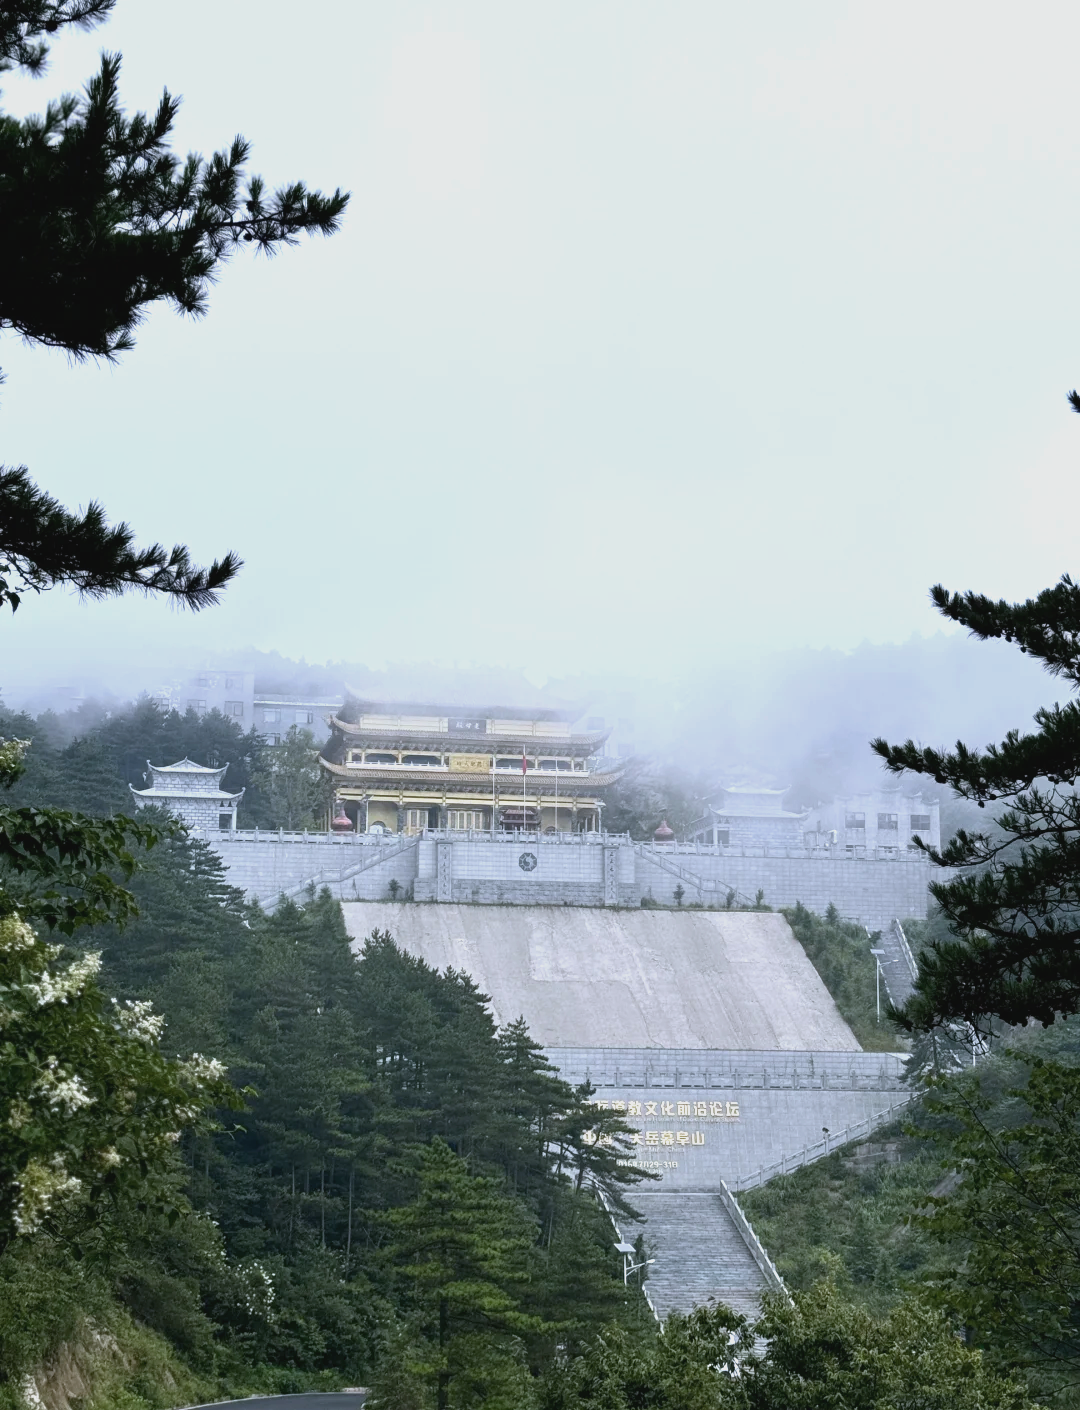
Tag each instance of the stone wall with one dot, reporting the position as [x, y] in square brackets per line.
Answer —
[872, 891]
[268, 865]
[590, 976]
[511, 872]
[702, 1116]
[463, 868]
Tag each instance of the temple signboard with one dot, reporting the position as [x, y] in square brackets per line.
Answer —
[687, 1139]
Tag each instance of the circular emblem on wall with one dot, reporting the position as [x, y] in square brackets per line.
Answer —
[527, 861]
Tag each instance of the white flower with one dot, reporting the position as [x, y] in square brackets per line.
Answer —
[16, 935]
[136, 1018]
[203, 1070]
[58, 988]
[64, 1091]
[39, 1186]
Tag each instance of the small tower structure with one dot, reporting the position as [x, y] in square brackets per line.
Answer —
[191, 791]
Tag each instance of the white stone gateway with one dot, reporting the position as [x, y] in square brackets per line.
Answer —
[191, 791]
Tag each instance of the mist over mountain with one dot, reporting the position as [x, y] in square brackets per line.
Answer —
[798, 719]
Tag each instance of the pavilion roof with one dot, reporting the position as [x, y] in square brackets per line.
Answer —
[185, 766]
[186, 795]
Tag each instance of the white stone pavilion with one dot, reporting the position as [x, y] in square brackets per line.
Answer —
[191, 791]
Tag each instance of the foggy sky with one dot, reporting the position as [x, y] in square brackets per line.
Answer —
[655, 333]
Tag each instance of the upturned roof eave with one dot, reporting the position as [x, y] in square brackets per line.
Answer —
[206, 796]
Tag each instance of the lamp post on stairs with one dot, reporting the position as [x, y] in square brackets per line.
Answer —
[627, 1251]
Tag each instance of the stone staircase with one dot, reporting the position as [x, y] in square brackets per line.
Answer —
[269, 865]
[898, 967]
[820, 1150]
[697, 887]
[337, 878]
[704, 1249]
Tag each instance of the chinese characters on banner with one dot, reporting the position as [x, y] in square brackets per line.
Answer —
[658, 1111]
[726, 1111]
[649, 1138]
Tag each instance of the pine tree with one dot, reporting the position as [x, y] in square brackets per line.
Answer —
[293, 789]
[99, 219]
[1014, 908]
[462, 1248]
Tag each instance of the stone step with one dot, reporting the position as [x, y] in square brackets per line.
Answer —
[700, 1253]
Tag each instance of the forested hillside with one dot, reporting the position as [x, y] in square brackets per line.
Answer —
[291, 1254]
[87, 759]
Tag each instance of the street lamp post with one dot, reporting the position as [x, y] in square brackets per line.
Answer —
[627, 1251]
[877, 954]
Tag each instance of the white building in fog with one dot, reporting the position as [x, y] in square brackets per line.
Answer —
[878, 821]
[191, 791]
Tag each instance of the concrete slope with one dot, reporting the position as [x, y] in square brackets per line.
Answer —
[586, 977]
[699, 1251]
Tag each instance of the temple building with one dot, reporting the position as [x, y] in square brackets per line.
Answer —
[748, 816]
[406, 768]
[191, 791]
[882, 823]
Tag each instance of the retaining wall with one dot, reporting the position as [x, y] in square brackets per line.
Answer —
[266, 866]
[872, 891]
[598, 871]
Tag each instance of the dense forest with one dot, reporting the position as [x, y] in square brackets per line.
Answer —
[373, 1094]
[89, 759]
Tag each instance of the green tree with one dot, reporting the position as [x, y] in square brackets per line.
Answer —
[293, 788]
[819, 1353]
[645, 794]
[99, 219]
[687, 1366]
[462, 1248]
[1012, 1223]
[840, 952]
[1013, 909]
[61, 867]
[822, 1352]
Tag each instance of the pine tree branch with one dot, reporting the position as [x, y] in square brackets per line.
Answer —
[42, 545]
[22, 22]
[99, 219]
[1047, 626]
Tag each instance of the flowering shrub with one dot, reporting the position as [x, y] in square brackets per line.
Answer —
[88, 1104]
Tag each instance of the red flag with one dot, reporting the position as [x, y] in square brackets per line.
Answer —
[524, 763]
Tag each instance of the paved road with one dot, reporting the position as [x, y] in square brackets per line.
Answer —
[321, 1400]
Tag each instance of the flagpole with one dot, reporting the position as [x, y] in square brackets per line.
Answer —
[524, 771]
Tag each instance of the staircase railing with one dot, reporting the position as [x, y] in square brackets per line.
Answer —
[819, 1149]
[751, 1240]
[338, 878]
[701, 884]
[905, 948]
